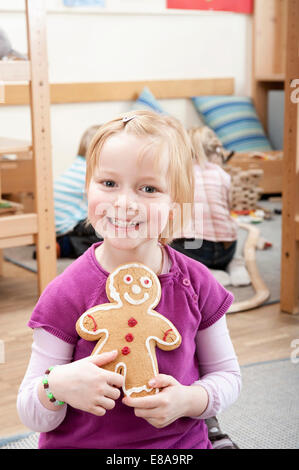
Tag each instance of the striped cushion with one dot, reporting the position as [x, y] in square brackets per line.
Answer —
[235, 122]
[146, 100]
[70, 203]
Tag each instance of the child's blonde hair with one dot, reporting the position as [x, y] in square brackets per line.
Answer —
[198, 153]
[205, 145]
[162, 131]
[86, 139]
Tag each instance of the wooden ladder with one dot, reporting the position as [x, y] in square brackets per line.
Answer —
[290, 212]
[36, 227]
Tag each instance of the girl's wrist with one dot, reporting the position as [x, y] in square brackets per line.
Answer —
[43, 398]
[197, 402]
[48, 392]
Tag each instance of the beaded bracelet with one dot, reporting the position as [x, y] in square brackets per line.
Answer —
[47, 389]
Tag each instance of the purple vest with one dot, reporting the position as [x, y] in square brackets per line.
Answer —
[191, 299]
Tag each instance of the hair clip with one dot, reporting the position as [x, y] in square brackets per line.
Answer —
[128, 118]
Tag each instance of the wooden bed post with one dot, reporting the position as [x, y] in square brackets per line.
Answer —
[290, 213]
[41, 141]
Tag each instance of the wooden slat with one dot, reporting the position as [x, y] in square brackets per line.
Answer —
[290, 246]
[278, 77]
[16, 94]
[41, 141]
[15, 71]
[13, 146]
[297, 228]
[16, 241]
[18, 225]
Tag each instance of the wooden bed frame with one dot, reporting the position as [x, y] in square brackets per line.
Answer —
[62, 93]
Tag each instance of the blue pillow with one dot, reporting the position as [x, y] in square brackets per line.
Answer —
[234, 120]
[146, 100]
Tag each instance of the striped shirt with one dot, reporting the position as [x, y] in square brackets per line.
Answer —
[70, 202]
[211, 217]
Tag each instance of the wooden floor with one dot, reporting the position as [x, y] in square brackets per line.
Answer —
[258, 335]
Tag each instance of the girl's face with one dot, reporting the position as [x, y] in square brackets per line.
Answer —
[128, 197]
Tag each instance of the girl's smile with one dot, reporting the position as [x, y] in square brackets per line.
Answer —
[124, 225]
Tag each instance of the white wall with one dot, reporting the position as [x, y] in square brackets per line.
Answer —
[128, 40]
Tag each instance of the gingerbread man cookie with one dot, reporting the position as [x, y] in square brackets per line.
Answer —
[130, 325]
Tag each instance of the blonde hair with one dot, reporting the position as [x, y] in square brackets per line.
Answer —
[198, 152]
[86, 139]
[204, 144]
[162, 132]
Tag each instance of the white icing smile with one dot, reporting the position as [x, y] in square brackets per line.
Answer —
[136, 302]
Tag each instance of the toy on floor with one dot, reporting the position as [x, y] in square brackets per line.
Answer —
[245, 192]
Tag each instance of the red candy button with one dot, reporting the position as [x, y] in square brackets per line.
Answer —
[125, 350]
[132, 322]
[129, 337]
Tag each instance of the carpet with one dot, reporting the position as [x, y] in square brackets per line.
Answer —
[265, 416]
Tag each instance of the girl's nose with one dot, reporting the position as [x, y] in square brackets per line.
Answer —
[136, 289]
[125, 202]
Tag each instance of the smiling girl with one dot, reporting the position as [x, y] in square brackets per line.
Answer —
[139, 176]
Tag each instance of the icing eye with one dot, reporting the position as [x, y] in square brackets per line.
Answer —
[128, 279]
[146, 282]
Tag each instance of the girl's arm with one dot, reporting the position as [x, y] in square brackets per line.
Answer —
[83, 384]
[47, 350]
[219, 368]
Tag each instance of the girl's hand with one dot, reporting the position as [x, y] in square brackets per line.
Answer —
[173, 402]
[84, 385]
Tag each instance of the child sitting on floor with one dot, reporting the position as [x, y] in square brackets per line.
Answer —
[218, 232]
[217, 240]
[70, 205]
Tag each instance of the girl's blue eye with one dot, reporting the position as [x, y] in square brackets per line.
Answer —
[149, 189]
[109, 184]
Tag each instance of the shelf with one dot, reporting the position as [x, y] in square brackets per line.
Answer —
[17, 241]
[18, 225]
[275, 77]
[10, 207]
[14, 146]
[15, 70]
